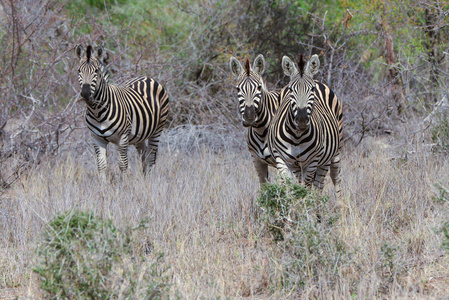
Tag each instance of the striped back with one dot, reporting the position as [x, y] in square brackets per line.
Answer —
[257, 105]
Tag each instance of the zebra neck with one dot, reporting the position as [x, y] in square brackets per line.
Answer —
[101, 97]
[263, 115]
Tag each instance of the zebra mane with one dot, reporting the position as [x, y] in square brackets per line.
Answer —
[88, 52]
[247, 67]
[301, 64]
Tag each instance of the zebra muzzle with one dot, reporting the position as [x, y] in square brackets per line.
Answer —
[302, 119]
[249, 115]
[85, 91]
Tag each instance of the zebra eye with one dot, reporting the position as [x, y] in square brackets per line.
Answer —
[237, 88]
[259, 88]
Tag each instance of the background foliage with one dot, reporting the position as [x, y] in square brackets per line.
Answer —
[386, 60]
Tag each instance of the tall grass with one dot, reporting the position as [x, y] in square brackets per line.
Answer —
[201, 212]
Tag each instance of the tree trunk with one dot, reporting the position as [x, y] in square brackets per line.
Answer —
[432, 41]
[397, 86]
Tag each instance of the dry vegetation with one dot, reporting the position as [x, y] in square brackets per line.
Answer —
[201, 212]
[199, 203]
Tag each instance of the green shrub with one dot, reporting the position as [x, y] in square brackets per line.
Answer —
[83, 257]
[305, 232]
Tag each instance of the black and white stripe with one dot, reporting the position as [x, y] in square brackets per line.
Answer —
[305, 134]
[257, 106]
[129, 114]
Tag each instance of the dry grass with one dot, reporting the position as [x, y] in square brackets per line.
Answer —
[201, 212]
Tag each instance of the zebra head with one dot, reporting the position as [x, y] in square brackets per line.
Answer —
[301, 89]
[90, 71]
[249, 87]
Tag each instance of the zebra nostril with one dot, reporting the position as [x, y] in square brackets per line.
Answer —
[302, 119]
[85, 91]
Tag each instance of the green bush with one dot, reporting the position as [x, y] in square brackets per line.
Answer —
[304, 229]
[275, 200]
[288, 204]
[83, 257]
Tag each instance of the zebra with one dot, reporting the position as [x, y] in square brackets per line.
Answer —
[257, 106]
[128, 114]
[305, 135]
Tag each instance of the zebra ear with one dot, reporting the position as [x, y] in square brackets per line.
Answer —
[106, 58]
[314, 65]
[235, 66]
[99, 52]
[288, 66]
[259, 64]
[79, 51]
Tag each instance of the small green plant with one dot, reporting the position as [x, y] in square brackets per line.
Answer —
[84, 257]
[276, 199]
[443, 196]
[388, 254]
[304, 230]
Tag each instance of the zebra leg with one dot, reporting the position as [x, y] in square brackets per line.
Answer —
[297, 173]
[142, 149]
[100, 146]
[123, 152]
[309, 174]
[335, 171]
[261, 169]
[320, 175]
[317, 176]
[150, 154]
[284, 171]
[145, 153]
